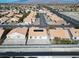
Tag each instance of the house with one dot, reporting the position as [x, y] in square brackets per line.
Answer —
[14, 19]
[11, 13]
[42, 11]
[18, 15]
[75, 33]
[4, 12]
[38, 36]
[30, 18]
[3, 19]
[55, 19]
[16, 36]
[27, 20]
[59, 33]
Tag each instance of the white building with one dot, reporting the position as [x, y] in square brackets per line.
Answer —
[16, 36]
[42, 11]
[38, 36]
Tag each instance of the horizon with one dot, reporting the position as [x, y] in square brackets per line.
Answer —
[41, 1]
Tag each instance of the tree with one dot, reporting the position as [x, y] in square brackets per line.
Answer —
[74, 42]
[24, 15]
[65, 41]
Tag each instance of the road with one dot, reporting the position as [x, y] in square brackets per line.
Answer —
[31, 25]
[43, 23]
[68, 19]
[15, 26]
[39, 48]
[42, 20]
[35, 54]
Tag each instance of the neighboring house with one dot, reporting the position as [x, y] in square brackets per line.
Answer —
[30, 18]
[55, 19]
[16, 36]
[27, 20]
[59, 33]
[3, 19]
[42, 11]
[14, 19]
[38, 36]
[4, 12]
[75, 34]
[10, 14]
[19, 15]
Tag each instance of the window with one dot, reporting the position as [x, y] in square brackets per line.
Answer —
[75, 32]
[74, 37]
[40, 37]
[38, 30]
[8, 37]
[30, 37]
[18, 36]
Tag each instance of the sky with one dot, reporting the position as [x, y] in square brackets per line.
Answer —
[39, 1]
